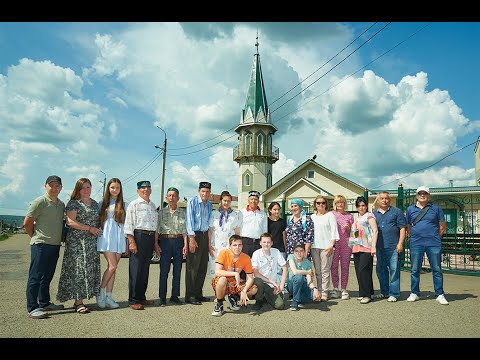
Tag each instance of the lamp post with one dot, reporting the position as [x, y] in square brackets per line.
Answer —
[163, 165]
[104, 182]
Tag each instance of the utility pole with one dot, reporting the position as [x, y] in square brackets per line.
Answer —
[104, 182]
[163, 166]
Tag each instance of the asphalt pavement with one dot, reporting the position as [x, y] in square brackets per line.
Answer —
[336, 318]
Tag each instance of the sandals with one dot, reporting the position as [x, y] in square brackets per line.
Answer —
[81, 308]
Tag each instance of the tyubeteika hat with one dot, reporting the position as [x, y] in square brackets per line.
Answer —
[254, 193]
[142, 184]
[171, 188]
[204, 184]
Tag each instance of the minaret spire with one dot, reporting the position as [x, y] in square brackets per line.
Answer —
[256, 44]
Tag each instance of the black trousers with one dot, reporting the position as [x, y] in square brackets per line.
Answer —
[196, 268]
[363, 268]
[250, 245]
[139, 266]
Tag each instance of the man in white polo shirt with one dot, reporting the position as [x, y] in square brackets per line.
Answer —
[254, 224]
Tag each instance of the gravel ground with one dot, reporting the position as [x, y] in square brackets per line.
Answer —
[336, 318]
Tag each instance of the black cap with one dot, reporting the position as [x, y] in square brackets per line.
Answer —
[204, 184]
[53, 178]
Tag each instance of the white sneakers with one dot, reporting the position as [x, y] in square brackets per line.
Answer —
[345, 295]
[413, 297]
[365, 300]
[441, 299]
[101, 299]
[110, 303]
[392, 299]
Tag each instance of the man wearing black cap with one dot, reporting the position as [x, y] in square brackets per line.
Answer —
[199, 211]
[43, 223]
[141, 229]
[172, 233]
[254, 224]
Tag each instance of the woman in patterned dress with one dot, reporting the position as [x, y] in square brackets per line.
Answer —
[112, 242]
[224, 223]
[299, 228]
[80, 275]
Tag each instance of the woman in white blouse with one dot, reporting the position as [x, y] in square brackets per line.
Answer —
[224, 222]
[325, 236]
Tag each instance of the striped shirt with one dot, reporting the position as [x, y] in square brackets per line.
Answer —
[198, 215]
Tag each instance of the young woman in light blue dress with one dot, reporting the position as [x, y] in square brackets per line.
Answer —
[112, 242]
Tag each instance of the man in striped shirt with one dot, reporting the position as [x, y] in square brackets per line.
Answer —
[199, 211]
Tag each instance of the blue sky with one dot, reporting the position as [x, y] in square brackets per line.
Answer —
[79, 99]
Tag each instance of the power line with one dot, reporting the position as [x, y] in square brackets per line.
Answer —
[345, 58]
[329, 60]
[429, 166]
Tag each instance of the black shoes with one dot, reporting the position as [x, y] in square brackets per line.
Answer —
[203, 298]
[162, 302]
[176, 300]
[194, 301]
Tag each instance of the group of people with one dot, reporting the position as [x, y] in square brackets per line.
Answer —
[250, 253]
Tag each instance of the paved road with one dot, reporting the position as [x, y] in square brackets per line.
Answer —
[336, 318]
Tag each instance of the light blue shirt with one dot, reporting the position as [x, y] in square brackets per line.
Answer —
[198, 215]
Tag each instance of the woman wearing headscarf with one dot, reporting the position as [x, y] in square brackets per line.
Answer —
[299, 228]
[224, 223]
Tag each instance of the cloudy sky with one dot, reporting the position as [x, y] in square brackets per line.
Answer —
[378, 103]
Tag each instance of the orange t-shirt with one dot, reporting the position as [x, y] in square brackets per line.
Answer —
[225, 258]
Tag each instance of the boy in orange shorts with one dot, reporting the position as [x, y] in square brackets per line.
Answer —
[228, 265]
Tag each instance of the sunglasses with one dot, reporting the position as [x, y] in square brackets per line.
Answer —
[422, 193]
[320, 202]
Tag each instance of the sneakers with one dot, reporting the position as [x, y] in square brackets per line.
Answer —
[232, 302]
[380, 296]
[441, 299]
[392, 299]
[294, 308]
[300, 305]
[52, 307]
[334, 294]
[110, 303]
[345, 295]
[38, 314]
[101, 298]
[324, 297]
[413, 297]
[218, 310]
[365, 300]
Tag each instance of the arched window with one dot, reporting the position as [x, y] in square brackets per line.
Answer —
[260, 144]
[269, 180]
[248, 144]
[246, 181]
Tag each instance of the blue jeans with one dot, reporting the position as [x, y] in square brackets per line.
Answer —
[171, 249]
[42, 267]
[388, 271]
[434, 255]
[301, 292]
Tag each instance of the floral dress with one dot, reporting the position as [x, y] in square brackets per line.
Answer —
[296, 234]
[80, 275]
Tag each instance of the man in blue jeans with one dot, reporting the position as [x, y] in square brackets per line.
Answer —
[391, 235]
[425, 237]
[43, 223]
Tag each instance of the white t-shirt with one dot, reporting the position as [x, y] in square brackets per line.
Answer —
[325, 229]
[268, 265]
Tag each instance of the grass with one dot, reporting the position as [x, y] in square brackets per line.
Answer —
[5, 236]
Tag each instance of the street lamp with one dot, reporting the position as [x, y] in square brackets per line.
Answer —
[163, 165]
[104, 182]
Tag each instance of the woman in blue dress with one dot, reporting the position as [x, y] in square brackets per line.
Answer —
[112, 242]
